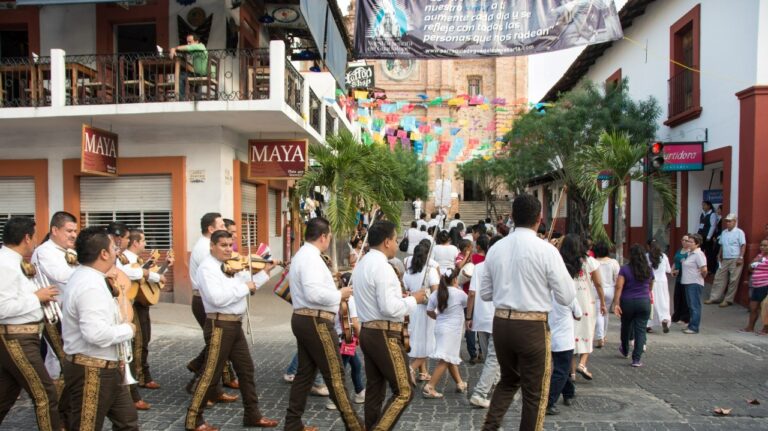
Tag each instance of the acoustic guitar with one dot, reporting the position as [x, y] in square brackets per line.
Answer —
[149, 292]
[136, 284]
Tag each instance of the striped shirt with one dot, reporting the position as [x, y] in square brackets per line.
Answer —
[760, 271]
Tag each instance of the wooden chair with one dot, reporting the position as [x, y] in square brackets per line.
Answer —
[133, 85]
[210, 81]
[102, 89]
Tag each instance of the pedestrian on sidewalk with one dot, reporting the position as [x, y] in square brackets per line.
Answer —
[661, 268]
[759, 270]
[707, 229]
[632, 302]
[733, 244]
[681, 312]
[561, 324]
[694, 269]
[421, 274]
[609, 272]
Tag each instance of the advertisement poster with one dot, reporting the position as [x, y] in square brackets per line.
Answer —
[277, 159]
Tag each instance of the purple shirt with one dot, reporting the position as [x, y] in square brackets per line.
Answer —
[634, 289]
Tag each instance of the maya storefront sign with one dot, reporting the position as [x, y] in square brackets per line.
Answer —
[393, 29]
[99, 152]
[683, 156]
[360, 77]
[277, 159]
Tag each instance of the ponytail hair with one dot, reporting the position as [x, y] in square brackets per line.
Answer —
[442, 289]
[654, 253]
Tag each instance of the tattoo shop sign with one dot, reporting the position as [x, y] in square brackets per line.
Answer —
[99, 152]
[277, 159]
[360, 77]
[390, 29]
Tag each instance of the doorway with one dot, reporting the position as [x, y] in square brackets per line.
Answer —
[136, 38]
[14, 43]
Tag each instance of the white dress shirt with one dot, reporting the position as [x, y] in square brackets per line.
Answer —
[561, 325]
[421, 222]
[377, 289]
[201, 249]
[51, 260]
[311, 281]
[136, 272]
[18, 302]
[89, 323]
[482, 315]
[221, 293]
[455, 222]
[520, 272]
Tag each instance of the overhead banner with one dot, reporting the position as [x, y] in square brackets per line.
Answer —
[277, 159]
[389, 29]
[360, 77]
[98, 154]
[683, 156]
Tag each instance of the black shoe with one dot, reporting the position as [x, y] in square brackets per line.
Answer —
[567, 401]
[190, 388]
[665, 327]
[552, 411]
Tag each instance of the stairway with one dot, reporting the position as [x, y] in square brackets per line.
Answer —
[473, 211]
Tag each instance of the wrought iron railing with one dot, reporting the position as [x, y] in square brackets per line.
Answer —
[22, 82]
[315, 108]
[681, 92]
[293, 84]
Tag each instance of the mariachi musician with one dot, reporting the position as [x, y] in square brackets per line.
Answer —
[21, 316]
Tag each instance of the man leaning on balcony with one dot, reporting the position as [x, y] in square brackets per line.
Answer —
[199, 55]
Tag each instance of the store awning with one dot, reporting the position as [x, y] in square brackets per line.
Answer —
[61, 2]
[326, 34]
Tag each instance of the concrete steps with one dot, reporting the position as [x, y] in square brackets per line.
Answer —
[472, 211]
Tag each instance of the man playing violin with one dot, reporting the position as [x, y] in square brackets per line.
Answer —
[224, 293]
[315, 303]
[96, 330]
[21, 315]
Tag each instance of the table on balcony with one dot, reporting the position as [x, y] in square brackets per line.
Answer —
[78, 74]
[162, 68]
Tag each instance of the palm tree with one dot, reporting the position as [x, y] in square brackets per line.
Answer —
[356, 176]
[619, 155]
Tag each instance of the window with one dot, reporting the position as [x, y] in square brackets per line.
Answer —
[275, 201]
[13, 42]
[684, 90]
[135, 38]
[614, 80]
[474, 86]
[249, 217]
[16, 200]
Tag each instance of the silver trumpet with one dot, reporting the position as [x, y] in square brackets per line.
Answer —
[51, 309]
[124, 352]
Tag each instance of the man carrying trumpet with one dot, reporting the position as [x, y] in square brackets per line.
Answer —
[21, 315]
[97, 332]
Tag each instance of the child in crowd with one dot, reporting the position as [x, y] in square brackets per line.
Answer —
[759, 270]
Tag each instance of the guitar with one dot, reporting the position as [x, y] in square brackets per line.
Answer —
[136, 284]
[149, 292]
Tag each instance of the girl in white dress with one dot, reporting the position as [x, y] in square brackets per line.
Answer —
[445, 253]
[421, 326]
[609, 272]
[661, 267]
[446, 306]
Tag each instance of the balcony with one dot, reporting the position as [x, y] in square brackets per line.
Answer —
[684, 97]
[21, 83]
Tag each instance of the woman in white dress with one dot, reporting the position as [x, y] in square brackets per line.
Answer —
[445, 253]
[446, 306]
[421, 326]
[586, 277]
[661, 267]
[609, 272]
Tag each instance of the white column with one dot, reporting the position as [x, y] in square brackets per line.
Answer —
[277, 71]
[58, 78]
[305, 100]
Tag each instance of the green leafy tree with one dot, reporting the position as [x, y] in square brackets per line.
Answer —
[356, 176]
[622, 156]
[545, 142]
[415, 174]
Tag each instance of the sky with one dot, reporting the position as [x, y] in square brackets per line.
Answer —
[544, 70]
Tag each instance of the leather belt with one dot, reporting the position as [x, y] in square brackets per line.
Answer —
[225, 317]
[327, 315]
[26, 328]
[539, 316]
[88, 361]
[384, 324]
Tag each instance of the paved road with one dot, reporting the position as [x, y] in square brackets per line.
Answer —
[685, 377]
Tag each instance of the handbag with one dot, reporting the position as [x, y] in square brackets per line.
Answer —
[404, 244]
[283, 288]
[348, 349]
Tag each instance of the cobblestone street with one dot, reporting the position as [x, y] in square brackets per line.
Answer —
[684, 379]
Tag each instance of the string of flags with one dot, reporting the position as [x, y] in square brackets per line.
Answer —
[476, 129]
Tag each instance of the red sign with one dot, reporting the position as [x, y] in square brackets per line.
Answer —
[99, 152]
[277, 159]
[683, 156]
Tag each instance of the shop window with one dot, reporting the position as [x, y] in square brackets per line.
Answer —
[684, 102]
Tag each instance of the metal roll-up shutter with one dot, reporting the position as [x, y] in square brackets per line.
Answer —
[248, 214]
[16, 199]
[274, 212]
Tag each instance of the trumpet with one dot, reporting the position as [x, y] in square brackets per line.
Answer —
[124, 349]
[51, 309]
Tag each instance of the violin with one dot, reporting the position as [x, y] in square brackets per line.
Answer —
[344, 317]
[238, 263]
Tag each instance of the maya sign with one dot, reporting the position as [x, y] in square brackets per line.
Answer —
[277, 159]
[99, 152]
[683, 156]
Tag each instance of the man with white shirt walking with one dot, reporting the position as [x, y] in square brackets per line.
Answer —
[521, 274]
[733, 244]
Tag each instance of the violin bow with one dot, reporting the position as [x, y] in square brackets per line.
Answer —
[250, 271]
[557, 212]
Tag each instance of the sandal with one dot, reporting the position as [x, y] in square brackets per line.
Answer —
[581, 369]
[430, 393]
[424, 377]
[600, 343]
[461, 387]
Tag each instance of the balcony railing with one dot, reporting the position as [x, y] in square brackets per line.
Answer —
[328, 121]
[293, 85]
[315, 109]
[681, 92]
[22, 82]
